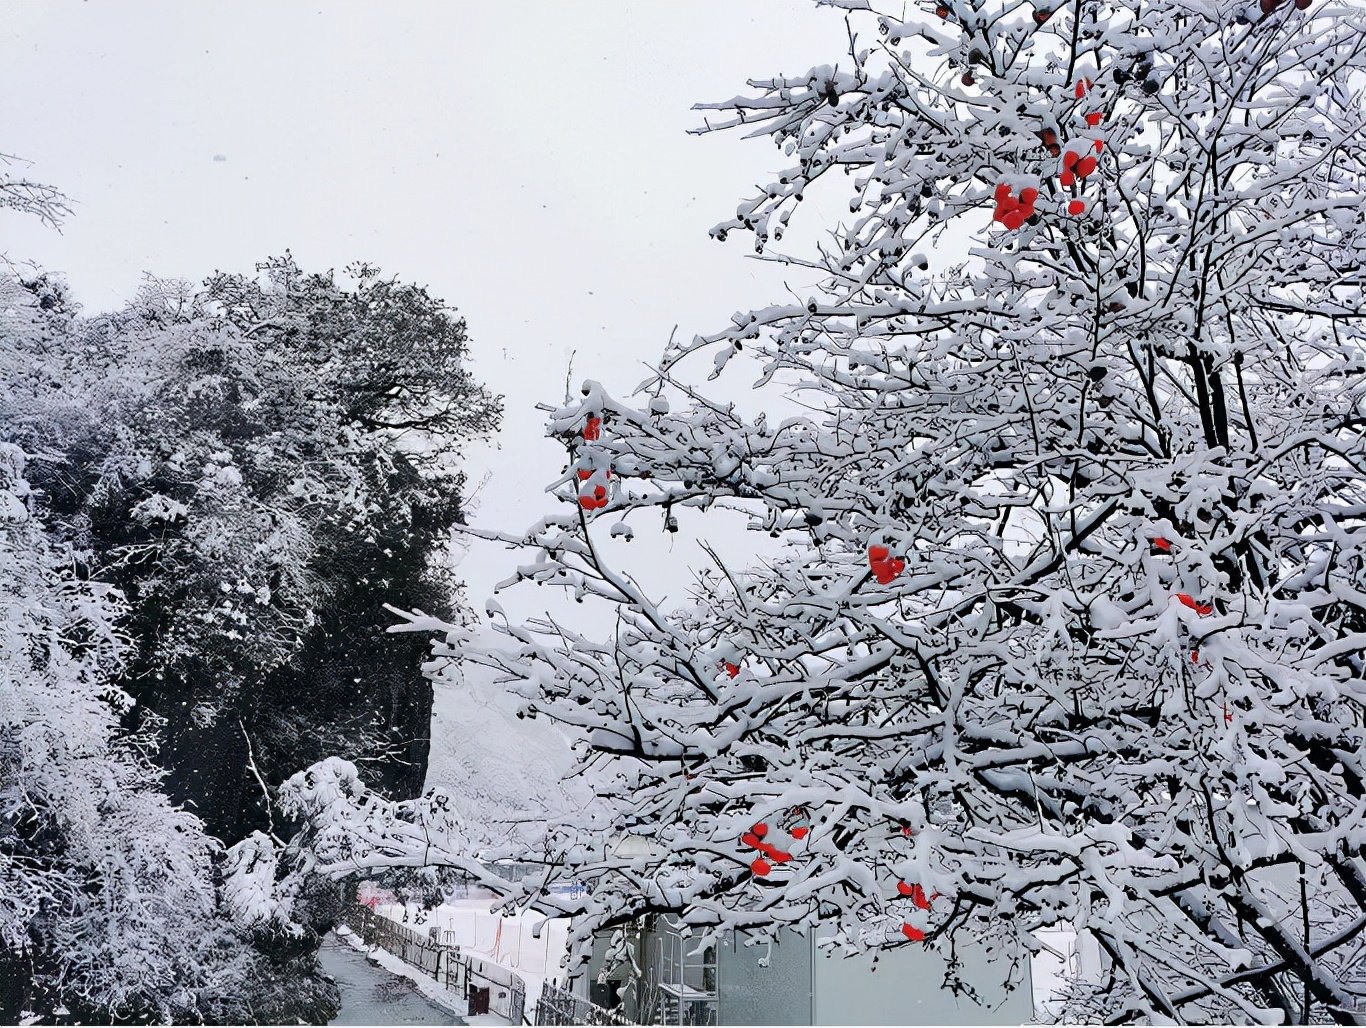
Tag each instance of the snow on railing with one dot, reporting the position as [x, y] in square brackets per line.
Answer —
[437, 960]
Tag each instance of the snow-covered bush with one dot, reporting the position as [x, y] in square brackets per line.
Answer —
[105, 888]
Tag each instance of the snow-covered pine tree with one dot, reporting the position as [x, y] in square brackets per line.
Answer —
[1069, 623]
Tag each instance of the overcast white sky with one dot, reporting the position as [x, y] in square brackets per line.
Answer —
[529, 162]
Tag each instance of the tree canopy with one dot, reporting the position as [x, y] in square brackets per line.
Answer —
[207, 500]
[259, 465]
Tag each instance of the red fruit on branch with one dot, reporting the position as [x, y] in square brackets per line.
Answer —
[800, 833]
[585, 474]
[1069, 159]
[1200, 608]
[761, 867]
[1067, 179]
[1042, 15]
[1094, 118]
[884, 567]
[593, 429]
[1082, 86]
[916, 893]
[913, 933]
[731, 669]
[1076, 207]
[760, 829]
[1162, 544]
[751, 840]
[942, 11]
[1028, 195]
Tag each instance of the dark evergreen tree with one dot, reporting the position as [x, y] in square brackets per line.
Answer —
[260, 466]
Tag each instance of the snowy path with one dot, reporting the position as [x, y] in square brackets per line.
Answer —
[372, 995]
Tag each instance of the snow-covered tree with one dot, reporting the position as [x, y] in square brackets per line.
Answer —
[109, 903]
[260, 465]
[106, 890]
[25, 196]
[1068, 619]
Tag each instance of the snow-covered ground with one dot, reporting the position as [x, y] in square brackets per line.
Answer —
[494, 765]
[372, 993]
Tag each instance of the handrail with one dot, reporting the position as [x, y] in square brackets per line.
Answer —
[558, 1007]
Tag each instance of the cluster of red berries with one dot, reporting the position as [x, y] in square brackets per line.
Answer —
[754, 839]
[731, 669]
[916, 894]
[885, 566]
[1077, 165]
[596, 496]
[1012, 211]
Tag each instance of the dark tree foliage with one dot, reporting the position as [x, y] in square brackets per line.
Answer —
[260, 466]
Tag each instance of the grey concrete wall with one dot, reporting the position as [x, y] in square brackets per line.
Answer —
[794, 982]
[906, 986]
[763, 983]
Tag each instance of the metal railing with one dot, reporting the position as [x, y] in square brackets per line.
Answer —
[558, 1007]
[437, 960]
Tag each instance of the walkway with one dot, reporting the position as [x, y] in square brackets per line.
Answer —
[372, 995]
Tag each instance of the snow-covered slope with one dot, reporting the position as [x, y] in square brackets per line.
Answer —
[495, 766]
